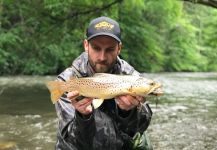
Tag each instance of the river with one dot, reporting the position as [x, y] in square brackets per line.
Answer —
[184, 118]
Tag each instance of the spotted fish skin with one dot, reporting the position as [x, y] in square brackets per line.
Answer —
[104, 86]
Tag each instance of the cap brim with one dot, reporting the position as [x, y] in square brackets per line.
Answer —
[104, 33]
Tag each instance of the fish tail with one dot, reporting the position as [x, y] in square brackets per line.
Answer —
[55, 90]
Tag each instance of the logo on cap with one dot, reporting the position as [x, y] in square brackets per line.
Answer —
[104, 25]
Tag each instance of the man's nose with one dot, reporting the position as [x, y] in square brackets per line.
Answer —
[102, 56]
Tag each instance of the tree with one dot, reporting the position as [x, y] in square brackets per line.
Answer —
[211, 3]
[157, 35]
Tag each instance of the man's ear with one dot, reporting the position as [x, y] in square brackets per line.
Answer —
[85, 45]
[119, 48]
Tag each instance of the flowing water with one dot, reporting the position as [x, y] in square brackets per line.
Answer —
[184, 118]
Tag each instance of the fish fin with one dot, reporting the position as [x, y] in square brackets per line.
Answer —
[55, 90]
[97, 102]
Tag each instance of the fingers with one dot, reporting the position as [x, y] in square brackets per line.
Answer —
[82, 105]
[134, 101]
[127, 102]
[141, 99]
[72, 95]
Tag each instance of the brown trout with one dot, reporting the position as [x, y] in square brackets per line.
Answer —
[105, 86]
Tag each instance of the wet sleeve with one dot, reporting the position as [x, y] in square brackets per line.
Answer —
[74, 131]
[72, 127]
[138, 119]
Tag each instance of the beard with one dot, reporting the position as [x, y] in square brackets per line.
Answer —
[101, 66]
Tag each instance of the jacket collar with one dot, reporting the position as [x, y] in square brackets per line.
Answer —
[84, 67]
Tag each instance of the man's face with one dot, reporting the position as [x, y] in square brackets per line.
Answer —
[102, 53]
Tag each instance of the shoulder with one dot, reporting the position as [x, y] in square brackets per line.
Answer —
[66, 74]
[126, 68]
[77, 68]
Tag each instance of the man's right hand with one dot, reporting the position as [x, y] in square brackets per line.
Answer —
[82, 106]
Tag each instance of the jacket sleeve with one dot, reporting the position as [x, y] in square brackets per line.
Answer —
[136, 120]
[73, 128]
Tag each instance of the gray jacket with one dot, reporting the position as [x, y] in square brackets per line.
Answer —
[108, 127]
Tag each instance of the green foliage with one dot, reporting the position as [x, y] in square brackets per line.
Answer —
[8, 57]
[140, 50]
[209, 40]
[162, 14]
[205, 20]
[182, 54]
[43, 37]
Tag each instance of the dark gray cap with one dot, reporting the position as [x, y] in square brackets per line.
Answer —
[103, 26]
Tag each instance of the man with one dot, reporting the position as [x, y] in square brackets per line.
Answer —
[117, 124]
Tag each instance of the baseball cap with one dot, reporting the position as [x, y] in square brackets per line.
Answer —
[103, 26]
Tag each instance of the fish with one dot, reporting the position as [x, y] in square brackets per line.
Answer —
[103, 86]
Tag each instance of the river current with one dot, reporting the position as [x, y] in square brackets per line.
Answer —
[184, 118]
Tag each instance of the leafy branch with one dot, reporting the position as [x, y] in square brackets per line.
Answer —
[94, 10]
[91, 10]
[210, 3]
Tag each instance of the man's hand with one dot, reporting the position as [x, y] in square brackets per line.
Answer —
[82, 106]
[127, 102]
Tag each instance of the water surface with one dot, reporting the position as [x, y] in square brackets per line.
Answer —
[185, 118]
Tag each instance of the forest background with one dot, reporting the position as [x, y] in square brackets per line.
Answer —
[42, 37]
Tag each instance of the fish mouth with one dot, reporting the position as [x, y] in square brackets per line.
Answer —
[158, 91]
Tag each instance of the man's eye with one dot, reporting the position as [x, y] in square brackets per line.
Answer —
[110, 49]
[96, 48]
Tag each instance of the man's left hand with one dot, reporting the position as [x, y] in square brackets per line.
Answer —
[127, 102]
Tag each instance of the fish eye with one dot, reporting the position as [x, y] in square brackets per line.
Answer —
[152, 83]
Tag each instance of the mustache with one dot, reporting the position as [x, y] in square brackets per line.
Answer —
[102, 62]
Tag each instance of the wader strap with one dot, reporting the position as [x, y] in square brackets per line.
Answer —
[78, 74]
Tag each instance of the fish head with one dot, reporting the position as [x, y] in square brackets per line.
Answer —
[143, 87]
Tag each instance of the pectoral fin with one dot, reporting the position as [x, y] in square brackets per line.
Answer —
[97, 102]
